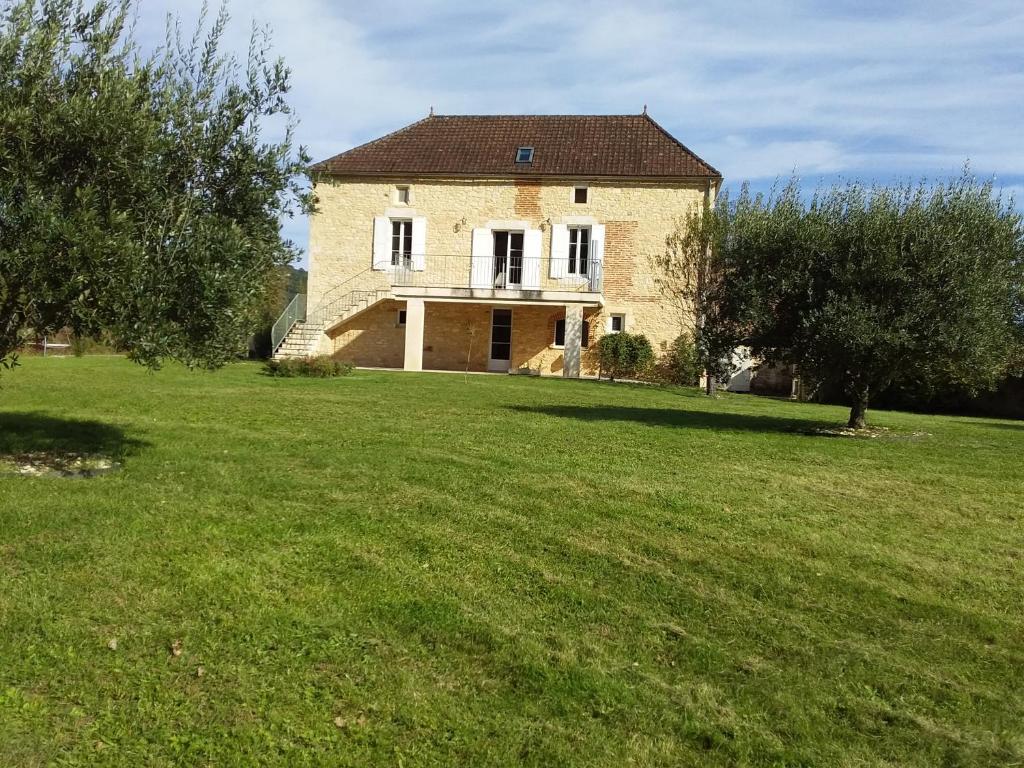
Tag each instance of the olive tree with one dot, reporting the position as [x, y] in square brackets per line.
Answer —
[140, 193]
[689, 271]
[862, 287]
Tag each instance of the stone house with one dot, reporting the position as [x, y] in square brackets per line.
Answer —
[495, 243]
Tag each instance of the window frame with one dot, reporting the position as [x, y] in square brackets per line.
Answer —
[401, 189]
[573, 261]
[401, 258]
[512, 262]
[586, 194]
[612, 317]
[519, 155]
[585, 336]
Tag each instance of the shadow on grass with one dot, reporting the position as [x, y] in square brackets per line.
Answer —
[671, 417]
[997, 424]
[32, 433]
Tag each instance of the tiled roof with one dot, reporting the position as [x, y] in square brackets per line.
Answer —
[564, 145]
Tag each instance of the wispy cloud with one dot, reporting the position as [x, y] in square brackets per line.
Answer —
[867, 89]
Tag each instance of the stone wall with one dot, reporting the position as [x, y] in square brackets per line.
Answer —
[371, 339]
[454, 333]
[638, 217]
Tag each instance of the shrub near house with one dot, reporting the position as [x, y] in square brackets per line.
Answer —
[624, 355]
[321, 367]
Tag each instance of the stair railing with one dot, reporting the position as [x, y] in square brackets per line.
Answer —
[294, 313]
[327, 311]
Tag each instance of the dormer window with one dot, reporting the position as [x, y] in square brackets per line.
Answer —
[524, 155]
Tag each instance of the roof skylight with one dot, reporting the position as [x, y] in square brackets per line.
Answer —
[524, 155]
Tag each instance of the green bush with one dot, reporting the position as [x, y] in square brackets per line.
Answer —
[680, 365]
[79, 345]
[624, 355]
[321, 367]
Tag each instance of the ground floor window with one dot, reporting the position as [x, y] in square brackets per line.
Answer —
[401, 317]
[560, 333]
[616, 324]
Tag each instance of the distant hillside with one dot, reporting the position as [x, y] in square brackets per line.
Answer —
[289, 281]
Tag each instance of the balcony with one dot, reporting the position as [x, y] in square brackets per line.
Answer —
[496, 278]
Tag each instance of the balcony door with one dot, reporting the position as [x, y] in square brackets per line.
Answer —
[508, 259]
[501, 340]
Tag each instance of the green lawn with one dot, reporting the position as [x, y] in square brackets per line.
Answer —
[405, 570]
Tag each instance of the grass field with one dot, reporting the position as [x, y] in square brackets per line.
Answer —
[403, 570]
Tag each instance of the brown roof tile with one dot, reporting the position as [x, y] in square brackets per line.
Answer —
[564, 145]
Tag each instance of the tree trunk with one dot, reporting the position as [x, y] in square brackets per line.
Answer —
[709, 385]
[859, 409]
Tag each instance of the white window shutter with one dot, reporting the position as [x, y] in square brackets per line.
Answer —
[559, 250]
[531, 259]
[596, 254]
[482, 269]
[381, 242]
[419, 243]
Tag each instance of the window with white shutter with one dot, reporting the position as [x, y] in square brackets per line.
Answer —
[401, 243]
[559, 250]
[419, 243]
[579, 251]
[482, 259]
[382, 242]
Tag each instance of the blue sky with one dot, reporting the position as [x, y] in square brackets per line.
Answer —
[870, 90]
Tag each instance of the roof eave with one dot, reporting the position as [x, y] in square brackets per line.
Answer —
[400, 175]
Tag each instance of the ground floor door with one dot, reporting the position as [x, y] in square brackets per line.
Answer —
[501, 340]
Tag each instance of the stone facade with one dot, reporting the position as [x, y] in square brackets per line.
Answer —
[637, 215]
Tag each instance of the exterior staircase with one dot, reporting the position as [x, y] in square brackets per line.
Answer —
[297, 333]
[301, 341]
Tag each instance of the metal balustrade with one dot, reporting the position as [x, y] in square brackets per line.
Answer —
[294, 313]
[510, 272]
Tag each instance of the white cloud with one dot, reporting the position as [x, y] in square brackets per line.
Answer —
[761, 160]
[858, 87]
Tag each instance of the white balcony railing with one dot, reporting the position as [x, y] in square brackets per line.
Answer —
[520, 273]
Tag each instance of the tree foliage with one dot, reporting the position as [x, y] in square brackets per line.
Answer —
[139, 194]
[690, 271]
[680, 365]
[863, 287]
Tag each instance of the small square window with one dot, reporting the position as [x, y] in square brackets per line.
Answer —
[401, 317]
[580, 195]
[402, 195]
[616, 323]
[524, 155]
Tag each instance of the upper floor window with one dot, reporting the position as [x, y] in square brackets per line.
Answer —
[580, 195]
[616, 323]
[402, 196]
[579, 250]
[524, 155]
[401, 242]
